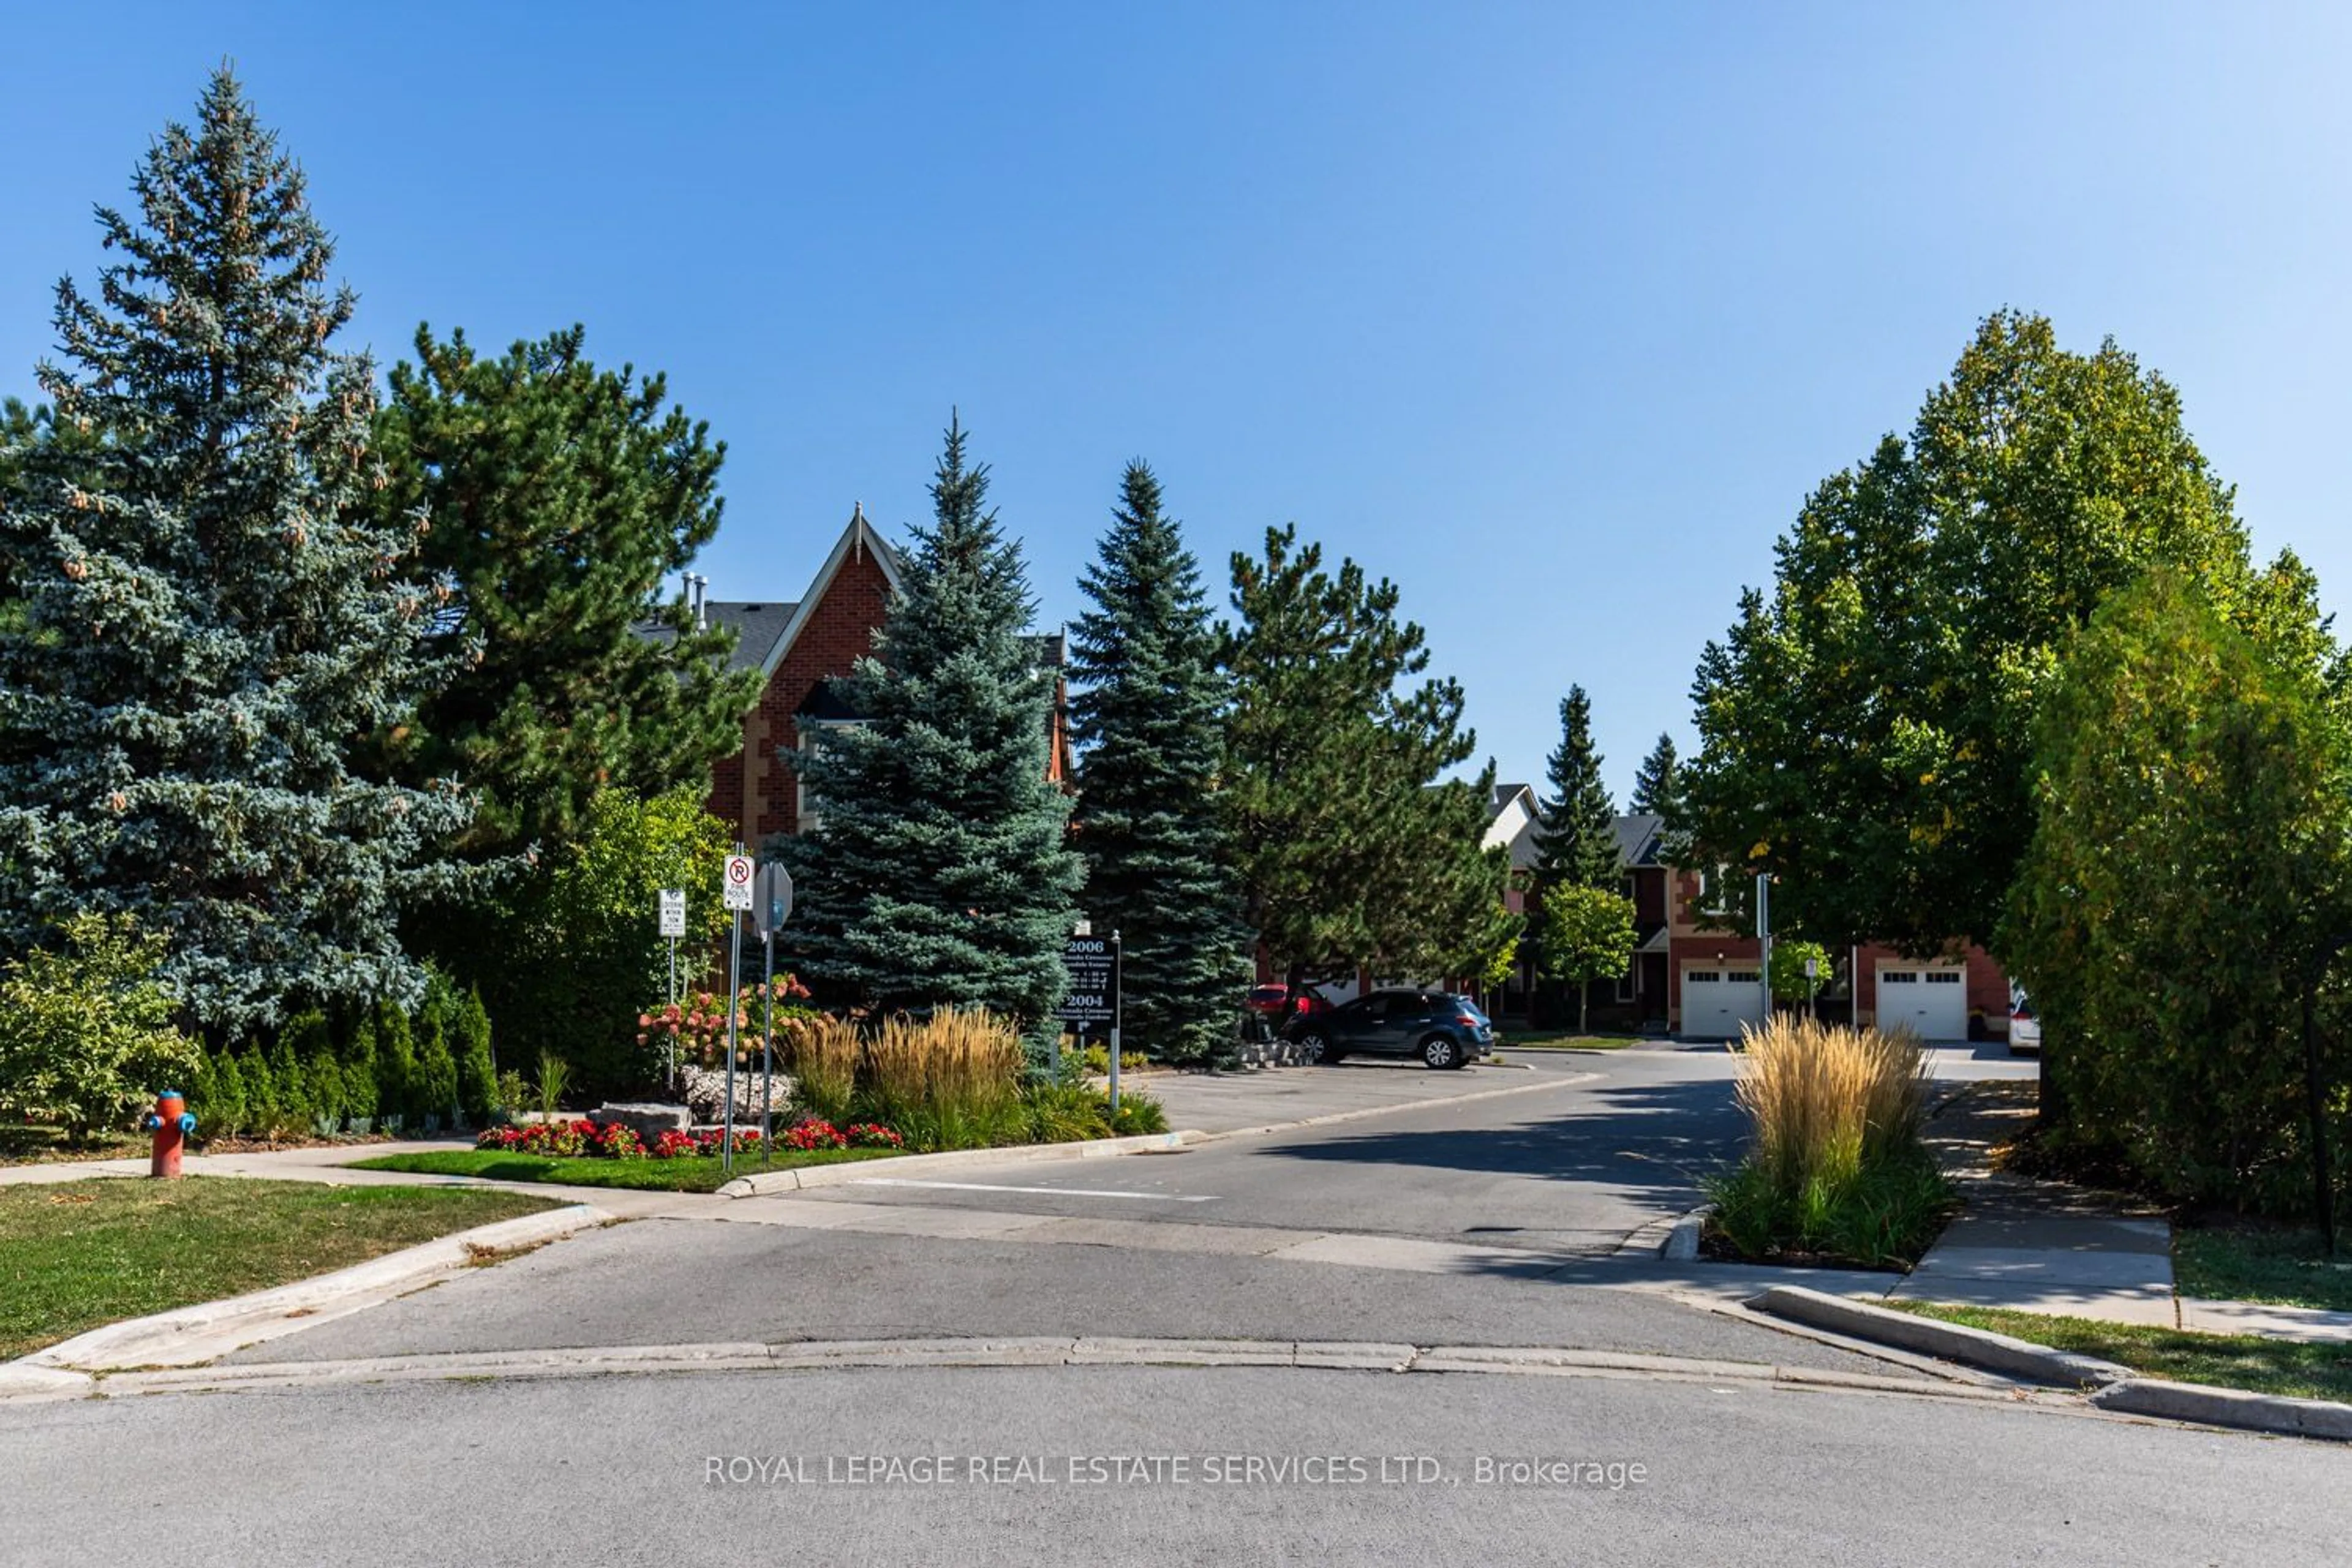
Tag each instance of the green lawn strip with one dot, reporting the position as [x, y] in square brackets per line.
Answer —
[2227, 1361]
[1568, 1040]
[2275, 1264]
[696, 1174]
[75, 1256]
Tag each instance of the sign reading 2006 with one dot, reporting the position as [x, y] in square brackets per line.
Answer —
[1092, 964]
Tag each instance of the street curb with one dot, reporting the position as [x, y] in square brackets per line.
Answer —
[1952, 1341]
[1337, 1116]
[2227, 1407]
[186, 1336]
[1081, 1353]
[1682, 1242]
[1648, 1240]
[1926, 1365]
[23, 1385]
[802, 1178]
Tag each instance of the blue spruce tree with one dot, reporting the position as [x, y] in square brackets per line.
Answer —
[209, 620]
[938, 873]
[1148, 711]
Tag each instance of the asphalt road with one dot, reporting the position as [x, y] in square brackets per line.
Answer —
[1351, 1468]
[1487, 1223]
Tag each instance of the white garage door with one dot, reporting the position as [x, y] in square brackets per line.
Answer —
[1934, 1003]
[1717, 1000]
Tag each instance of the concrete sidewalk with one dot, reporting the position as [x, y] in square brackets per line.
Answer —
[2036, 1246]
[2043, 1246]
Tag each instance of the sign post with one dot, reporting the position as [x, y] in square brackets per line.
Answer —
[735, 887]
[1117, 1000]
[1093, 996]
[771, 906]
[1812, 987]
[673, 926]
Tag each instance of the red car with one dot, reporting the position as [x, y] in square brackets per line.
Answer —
[1276, 1002]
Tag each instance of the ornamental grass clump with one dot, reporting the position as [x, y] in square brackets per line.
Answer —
[1836, 1166]
[821, 1052]
[950, 1081]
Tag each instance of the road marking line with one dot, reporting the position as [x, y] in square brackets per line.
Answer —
[1051, 1191]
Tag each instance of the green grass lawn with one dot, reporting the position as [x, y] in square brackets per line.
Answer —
[693, 1174]
[1564, 1040]
[75, 1256]
[2249, 1262]
[2228, 1361]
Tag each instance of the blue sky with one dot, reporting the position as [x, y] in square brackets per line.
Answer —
[1552, 312]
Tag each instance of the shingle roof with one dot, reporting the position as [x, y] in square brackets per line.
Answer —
[757, 624]
[1637, 838]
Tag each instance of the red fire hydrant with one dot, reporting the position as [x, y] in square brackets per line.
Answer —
[171, 1123]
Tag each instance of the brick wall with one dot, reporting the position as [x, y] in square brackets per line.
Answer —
[754, 790]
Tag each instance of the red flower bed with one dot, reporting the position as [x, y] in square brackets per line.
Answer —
[614, 1141]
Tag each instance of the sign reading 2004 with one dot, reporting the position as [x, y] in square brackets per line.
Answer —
[1093, 965]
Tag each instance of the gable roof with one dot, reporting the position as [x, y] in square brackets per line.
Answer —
[1049, 650]
[1637, 838]
[857, 540]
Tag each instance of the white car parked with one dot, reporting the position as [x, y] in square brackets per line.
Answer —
[2025, 1027]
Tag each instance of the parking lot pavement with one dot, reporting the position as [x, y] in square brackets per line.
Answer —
[1232, 1102]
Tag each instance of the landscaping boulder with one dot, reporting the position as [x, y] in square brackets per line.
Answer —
[647, 1121]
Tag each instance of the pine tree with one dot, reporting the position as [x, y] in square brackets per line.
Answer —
[938, 872]
[1658, 783]
[1148, 711]
[1576, 836]
[210, 615]
[1351, 853]
[561, 497]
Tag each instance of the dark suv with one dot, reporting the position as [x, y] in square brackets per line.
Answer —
[1443, 1029]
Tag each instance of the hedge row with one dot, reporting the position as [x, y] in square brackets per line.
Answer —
[375, 1068]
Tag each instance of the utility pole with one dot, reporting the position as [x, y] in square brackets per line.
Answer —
[1764, 938]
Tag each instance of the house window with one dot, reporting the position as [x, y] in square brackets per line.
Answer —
[1625, 981]
[813, 733]
[1943, 977]
[1899, 977]
[1703, 976]
[1713, 891]
[1743, 977]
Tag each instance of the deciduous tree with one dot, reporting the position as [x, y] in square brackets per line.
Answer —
[2185, 883]
[1866, 725]
[1585, 934]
